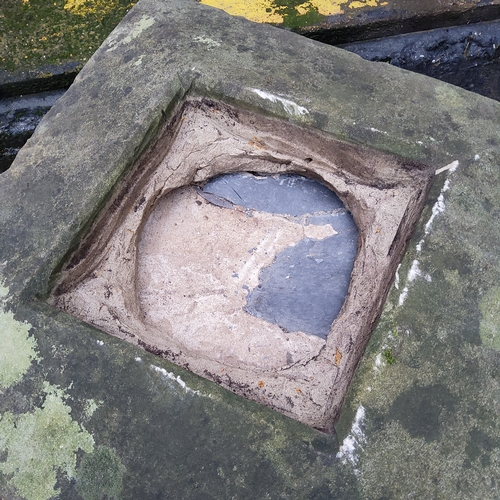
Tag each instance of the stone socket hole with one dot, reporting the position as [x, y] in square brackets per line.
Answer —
[101, 285]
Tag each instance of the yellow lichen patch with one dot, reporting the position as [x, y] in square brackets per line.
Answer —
[86, 7]
[267, 11]
[328, 7]
[366, 3]
[260, 11]
[303, 9]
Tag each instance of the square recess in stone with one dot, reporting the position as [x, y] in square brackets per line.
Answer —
[108, 282]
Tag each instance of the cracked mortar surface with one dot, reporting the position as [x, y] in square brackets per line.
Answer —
[421, 415]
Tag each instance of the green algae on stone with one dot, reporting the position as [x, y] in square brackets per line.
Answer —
[37, 33]
[40, 444]
[163, 438]
[419, 416]
[86, 7]
[18, 348]
[305, 466]
[100, 475]
[429, 417]
[297, 13]
[489, 328]
[455, 466]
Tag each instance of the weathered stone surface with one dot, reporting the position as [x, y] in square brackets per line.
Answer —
[433, 353]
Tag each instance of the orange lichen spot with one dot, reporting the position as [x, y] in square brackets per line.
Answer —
[256, 143]
[338, 356]
[260, 383]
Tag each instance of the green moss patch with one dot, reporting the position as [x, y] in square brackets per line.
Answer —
[100, 475]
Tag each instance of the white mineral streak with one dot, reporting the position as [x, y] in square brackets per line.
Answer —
[211, 44]
[438, 208]
[177, 379]
[396, 279]
[348, 452]
[372, 129]
[451, 167]
[291, 107]
[403, 295]
[414, 273]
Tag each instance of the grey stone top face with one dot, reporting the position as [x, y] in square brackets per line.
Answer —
[437, 401]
